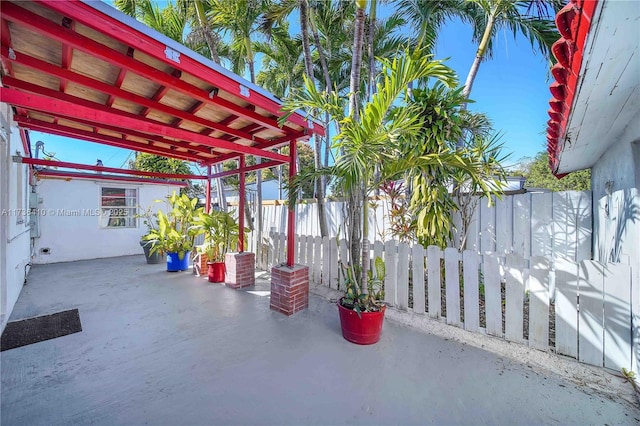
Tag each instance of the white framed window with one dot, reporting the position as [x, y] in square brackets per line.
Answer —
[118, 207]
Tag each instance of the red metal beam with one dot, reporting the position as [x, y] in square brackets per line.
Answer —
[39, 24]
[15, 83]
[67, 165]
[291, 214]
[71, 110]
[48, 68]
[5, 39]
[87, 15]
[70, 132]
[152, 139]
[241, 167]
[276, 143]
[94, 176]
[246, 169]
[67, 52]
[162, 90]
[118, 83]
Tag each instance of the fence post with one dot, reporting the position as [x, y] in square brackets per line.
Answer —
[309, 249]
[417, 263]
[492, 294]
[590, 317]
[566, 307]
[403, 276]
[326, 261]
[539, 303]
[433, 281]
[317, 259]
[333, 263]
[390, 258]
[514, 297]
[452, 285]
[470, 268]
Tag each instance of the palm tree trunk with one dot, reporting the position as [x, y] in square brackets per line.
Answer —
[475, 66]
[365, 239]
[206, 31]
[322, 214]
[304, 30]
[222, 200]
[354, 86]
[482, 48]
[372, 59]
[323, 59]
[356, 62]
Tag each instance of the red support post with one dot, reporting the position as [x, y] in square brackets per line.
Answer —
[241, 166]
[208, 192]
[291, 218]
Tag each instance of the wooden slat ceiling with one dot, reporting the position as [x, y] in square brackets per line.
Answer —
[72, 70]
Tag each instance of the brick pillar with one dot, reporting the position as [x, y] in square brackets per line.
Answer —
[240, 270]
[289, 289]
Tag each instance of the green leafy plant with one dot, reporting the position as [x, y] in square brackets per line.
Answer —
[221, 234]
[358, 300]
[149, 218]
[176, 232]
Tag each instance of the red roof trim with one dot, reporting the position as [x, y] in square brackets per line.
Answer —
[95, 176]
[573, 22]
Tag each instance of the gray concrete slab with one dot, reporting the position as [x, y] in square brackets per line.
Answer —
[170, 348]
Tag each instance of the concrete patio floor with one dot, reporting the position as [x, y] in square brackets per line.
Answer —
[170, 348]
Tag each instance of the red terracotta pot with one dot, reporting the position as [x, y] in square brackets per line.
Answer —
[216, 272]
[364, 330]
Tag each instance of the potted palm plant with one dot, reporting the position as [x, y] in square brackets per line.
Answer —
[362, 313]
[176, 232]
[221, 234]
[377, 141]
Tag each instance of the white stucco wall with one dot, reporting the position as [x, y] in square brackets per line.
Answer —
[615, 182]
[69, 230]
[15, 239]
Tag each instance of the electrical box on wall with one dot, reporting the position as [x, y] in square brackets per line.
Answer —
[34, 217]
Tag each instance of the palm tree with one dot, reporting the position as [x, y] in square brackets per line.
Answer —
[445, 121]
[282, 63]
[170, 20]
[203, 28]
[378, 137]
[490, 16]
[279, 13]
[238, 19]
[428, 16]
[356, 59]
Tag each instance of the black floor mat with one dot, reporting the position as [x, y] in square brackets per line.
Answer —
[39, 329]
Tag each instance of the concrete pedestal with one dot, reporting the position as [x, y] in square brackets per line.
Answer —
[241, 270]
[289, 289]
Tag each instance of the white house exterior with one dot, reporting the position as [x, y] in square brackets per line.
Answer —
[74, 223]
[595, 123]
[15, 238]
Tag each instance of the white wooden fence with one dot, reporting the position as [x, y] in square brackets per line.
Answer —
[531, 224]
[504, 296]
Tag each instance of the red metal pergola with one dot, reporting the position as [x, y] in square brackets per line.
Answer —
[84, 70]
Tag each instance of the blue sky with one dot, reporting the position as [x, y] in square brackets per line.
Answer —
[511, 88]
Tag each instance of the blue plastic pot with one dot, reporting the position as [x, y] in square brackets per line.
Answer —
[175, 263]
